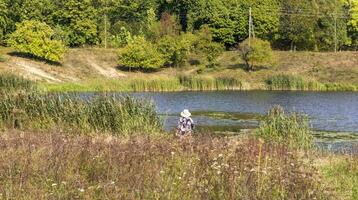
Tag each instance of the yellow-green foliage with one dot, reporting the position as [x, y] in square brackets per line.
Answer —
[176, 49]
[36, 38]
[140, 54]
[291, 130]
[255, 51]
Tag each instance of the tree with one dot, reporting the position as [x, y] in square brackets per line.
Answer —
[353, 22]
[228, 20]
[36, 38]
[298, 26]
[254, 51]
[3, 20]
[79, 19]
[176, 49]
[205, 45]
[140, 54]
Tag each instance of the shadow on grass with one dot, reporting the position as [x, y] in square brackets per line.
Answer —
[33, 57]
[130, 69]
[244, 67]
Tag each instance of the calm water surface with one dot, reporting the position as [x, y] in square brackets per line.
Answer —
[328, 111]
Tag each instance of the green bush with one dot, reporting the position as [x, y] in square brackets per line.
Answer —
[140, 54]
[36, 38]
[176, 49]
[204, 45]
[255, 51]
[291, 130]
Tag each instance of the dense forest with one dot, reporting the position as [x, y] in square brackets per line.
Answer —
[318, 25]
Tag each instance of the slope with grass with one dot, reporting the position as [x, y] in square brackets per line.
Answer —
[93, 69]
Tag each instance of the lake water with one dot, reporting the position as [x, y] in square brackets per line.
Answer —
[333, 115]
[328, 111]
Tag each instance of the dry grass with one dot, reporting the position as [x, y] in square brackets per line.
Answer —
[56, 166]
[79, 68]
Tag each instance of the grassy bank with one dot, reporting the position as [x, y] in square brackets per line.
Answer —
[97, 70]
[159, 84]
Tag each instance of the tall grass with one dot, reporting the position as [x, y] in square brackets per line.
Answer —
[156, 84]
[291, 130]
[53, 166]
[340, 173]
[105, 113]
[291, 82]
[11, 82]
[209, 83]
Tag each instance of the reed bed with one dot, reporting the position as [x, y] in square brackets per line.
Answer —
[209, 83]
[152, 85]
[292, 130]
[291, 82]
[157, 84]
[103, 113]
[11, 82]
[57, 166]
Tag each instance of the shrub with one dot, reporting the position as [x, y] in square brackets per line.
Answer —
[255, 51]
[176, 49]
[205, 45]
[292, 130]
[36, 38]
[140, 54]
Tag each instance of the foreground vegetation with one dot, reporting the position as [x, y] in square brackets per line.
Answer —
[103, 113]
[62, 167]
[58, 146]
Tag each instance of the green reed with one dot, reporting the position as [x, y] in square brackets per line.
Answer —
[291, 82]
[104, 113]
[209, 83]
[292, 130]
[158, 84]
[12, 82]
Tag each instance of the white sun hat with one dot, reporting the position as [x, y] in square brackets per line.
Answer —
[185, 113]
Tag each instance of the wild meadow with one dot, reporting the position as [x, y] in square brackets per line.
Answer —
[57, 166]
[63, 146]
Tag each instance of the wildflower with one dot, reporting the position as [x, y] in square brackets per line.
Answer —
[219, 172]
[179, 177]
[172, 153]
[81, 189]
[112, 183]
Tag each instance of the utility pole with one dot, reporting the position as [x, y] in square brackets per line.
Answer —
[250, 25]
[335, 26]
[105, 31]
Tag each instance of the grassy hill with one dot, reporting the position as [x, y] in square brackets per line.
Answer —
[94, 69]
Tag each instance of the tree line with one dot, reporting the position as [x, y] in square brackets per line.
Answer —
[319, 25]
